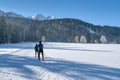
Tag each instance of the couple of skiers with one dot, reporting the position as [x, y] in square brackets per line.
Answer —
[39, 50]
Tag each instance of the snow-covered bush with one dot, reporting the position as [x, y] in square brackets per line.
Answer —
[76, 39]
[103, 39]
[96, 41]
[83, 39]
[43, 39]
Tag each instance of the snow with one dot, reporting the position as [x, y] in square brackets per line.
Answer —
[63, 61]
[38, 17]
[91, 31]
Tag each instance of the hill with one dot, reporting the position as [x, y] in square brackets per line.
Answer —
[58, 30]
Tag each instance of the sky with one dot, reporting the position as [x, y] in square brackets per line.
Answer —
[98, 12]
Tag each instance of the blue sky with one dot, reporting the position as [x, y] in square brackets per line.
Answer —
[98, 12]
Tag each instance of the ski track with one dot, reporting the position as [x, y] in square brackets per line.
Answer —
[17, 62]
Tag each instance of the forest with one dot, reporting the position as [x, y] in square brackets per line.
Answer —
[14, 30]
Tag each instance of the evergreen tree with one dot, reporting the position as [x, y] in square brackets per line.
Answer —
[3, 30]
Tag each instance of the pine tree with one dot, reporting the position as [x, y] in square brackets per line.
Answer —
[3, 28]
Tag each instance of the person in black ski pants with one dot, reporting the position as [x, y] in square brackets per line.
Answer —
[40, 50]
[36, 50]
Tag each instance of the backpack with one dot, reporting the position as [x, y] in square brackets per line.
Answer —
[40, 46]
[36, 48]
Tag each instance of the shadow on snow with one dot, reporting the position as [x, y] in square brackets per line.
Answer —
[72, 70]
[75, 49]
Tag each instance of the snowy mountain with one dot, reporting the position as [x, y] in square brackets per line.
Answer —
[41, 17]
[51, 17]
[2, 13]
[38, 17]
[34, 17]
[57, 30]
[12, 14]
[62, 30]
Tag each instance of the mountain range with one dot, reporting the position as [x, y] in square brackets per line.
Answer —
[34, 17]
[22, 29]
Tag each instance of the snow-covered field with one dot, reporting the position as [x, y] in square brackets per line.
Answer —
[63, 61]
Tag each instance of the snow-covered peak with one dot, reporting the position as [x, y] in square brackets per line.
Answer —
[2, 13]
[34, 17]
[38, 17]
[50, 17]
[12, 14]
[42, 17]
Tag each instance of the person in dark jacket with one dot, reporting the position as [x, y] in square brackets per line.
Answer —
[40, 50]
[36, 50]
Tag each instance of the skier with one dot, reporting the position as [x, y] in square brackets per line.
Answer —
[40, 50]
[36, 50]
